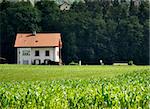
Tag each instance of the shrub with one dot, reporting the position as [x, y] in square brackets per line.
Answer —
[73, 63]
[130, 63]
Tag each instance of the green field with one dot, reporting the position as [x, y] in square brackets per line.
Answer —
[74, 87]
[30, 72]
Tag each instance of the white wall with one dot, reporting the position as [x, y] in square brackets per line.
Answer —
[56, 54]
[53, 55]
[42, 56]
[21, 57]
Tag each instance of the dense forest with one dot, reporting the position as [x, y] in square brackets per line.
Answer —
[91, 30]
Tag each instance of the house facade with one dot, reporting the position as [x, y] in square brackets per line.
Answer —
[40, 48]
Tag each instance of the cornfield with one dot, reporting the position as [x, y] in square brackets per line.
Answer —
[126, 91]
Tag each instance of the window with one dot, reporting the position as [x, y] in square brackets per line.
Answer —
[37, 53]
[25, 62]
[47, 53]
[26, 52]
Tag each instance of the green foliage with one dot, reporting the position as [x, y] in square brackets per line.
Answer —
[50, 15]
[130, 63]
[130, 39]
[91, 30]
[17, 17]
[129, 90]
[41, 72]
[73, 63]
[25, 17]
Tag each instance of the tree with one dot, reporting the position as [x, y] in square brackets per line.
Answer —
[25, 17]
[118, 11]
[50, 15]
[111, 34]
[143, 11]
[69, 48]
[4, 5]
[144, 20]
[146, 44]
[129, 39]
[18, 17]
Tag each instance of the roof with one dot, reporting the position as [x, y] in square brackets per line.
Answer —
[38, 40]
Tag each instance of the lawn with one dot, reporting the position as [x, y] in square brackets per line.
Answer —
[30, 72]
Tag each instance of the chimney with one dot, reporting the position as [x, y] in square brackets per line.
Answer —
[34, 33]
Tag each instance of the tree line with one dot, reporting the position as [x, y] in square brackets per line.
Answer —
[116, 31]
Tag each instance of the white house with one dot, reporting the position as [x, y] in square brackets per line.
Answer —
[65, 6]
[38, 48]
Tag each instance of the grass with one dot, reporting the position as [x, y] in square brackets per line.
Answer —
[34, 73]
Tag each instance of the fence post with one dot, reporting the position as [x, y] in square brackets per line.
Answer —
[80, 63]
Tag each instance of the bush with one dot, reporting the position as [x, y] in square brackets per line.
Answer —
[73, 63]
[130, 63]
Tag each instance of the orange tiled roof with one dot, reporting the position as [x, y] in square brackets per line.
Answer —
[39, 40]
